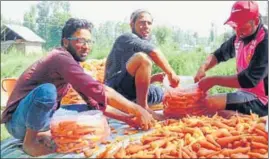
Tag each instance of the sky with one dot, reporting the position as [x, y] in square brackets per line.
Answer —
[188, 15]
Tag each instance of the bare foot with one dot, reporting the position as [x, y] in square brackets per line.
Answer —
[46, 139]
[33, 147]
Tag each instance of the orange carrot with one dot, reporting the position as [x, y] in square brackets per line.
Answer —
[179, 151]
[221, 125]
[260, 139]
[224, 141]
[228, 152]
[84, 131]
[184, 154]
[237, 144]
[196, 146]
[257, 155]
[262, 133]
[88, 152]
[134, 148]
[258, 145]
[208, 145]
[211, 139]
[261, 151]
[189, 152]
[167, 156]
[239, 155]
[121, 153]
[148, 139]
[158, 143]
[204, 152]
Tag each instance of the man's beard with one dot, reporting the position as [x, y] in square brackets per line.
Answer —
[74, 54]
[144, 38]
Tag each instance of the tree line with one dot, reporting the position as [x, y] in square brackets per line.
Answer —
[47, 18]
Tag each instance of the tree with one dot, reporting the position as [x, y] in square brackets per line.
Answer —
[29, 19]
[162, 34]
[51, 16]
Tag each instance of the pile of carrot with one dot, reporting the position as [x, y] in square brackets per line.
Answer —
[200, 137]
[178, 103]
[93, 67]
[71, 136]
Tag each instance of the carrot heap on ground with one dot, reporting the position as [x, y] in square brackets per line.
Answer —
[93, 67]
[200, 137]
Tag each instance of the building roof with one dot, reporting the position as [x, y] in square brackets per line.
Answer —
[25, 33]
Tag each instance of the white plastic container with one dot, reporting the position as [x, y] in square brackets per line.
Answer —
[184, 81]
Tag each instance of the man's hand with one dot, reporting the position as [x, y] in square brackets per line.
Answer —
[199, 75]
[158, 77]
[206, 83]
[174, 80]
[144, 119]
[156, 116]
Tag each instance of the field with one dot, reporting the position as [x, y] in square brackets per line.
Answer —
[184, 63]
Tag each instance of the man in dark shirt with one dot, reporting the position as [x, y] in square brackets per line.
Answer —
[40, 88]
[129, 64]
[250, 47]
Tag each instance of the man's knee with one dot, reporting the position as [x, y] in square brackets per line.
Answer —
[47, 92]
[143, 58]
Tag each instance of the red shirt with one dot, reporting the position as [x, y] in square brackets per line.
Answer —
[60, 69]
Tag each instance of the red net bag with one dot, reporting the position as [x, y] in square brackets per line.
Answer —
[180, 102]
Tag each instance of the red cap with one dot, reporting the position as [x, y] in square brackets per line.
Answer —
[243, 11]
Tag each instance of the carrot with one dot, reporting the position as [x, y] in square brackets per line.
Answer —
[184, 154]
[259, 139]
[148, 139]
[221, 133]
[196, 146]
[208, 145]
[158, 143]
[167, 156]
[66, 140]
[68, 124]
[88, 152]
[224, 141]
[221, 125]
[204, 152]
[189, 152]
[258, 145]
[237, 144]
[169, 148]
[228, 152]
[121, 153]
[158, 153]
[83, 131]
[141, 155]
[261, 151]
[188, 130]
[256, 155]
[239, 155]
[134, 148]
[262, 133]
[179, 152]
[211, 139]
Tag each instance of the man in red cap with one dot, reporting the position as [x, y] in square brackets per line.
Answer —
[249, 46]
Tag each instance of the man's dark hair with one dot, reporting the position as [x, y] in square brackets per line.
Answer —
[72, 25]
[136, 14]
